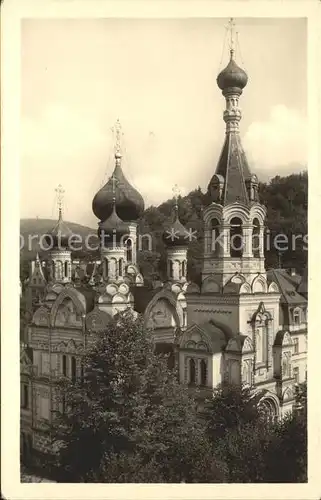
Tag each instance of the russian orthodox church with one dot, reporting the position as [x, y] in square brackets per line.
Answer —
[242, 324]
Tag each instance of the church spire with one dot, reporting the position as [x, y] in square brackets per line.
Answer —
[232, 181]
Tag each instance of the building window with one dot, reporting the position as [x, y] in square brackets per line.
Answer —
[64, 365]
[129, 251]
[215, 234]
[296, 317]
[184, 268]
[82, 376]
[24, 396]
[236, 238]
[192, 371]
[171, 269]
[256, 238]
[66, 269]
[296, 346]
[296, 374]
[45, 363]
[73, 368]
[286, 367]
[203, 372]
[120, 267]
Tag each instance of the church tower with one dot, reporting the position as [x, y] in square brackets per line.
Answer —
[234, 220]
[58, 240]
[119, 193]
[176, 241]
[118, 206]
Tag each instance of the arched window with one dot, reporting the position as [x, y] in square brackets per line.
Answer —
[268, 411]
[66, 269]
[184, 268]
[129, 251]
[261, 340]
[171, 269]
[64, 365]
[285, 366]
[53, 269]
[105, 268]
[246, 374]
[256, 238]
[203, 372]
[120, 267]
[73, 368]
[192, 371]
[236, 237]
[215, 242]
[297, 316]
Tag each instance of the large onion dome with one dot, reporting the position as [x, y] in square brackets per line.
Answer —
[232, 76]
[129, 203]
[175, 234]
[113, 229]
[59, 236]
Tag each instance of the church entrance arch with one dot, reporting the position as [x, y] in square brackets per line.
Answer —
[269, 409]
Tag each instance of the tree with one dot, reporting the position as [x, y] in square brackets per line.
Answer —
[229, 408]
[129, 418]
[253, 449]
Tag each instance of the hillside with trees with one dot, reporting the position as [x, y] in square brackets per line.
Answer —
[286, 199]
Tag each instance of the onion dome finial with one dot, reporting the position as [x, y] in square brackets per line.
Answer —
[59, 236]
[129, 202]
[232, 77]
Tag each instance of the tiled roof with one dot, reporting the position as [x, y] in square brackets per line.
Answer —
[287, 286]
[234, 168]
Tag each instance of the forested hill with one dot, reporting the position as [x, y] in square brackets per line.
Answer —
[286, 199]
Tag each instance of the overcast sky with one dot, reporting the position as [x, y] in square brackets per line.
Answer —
[159, 78]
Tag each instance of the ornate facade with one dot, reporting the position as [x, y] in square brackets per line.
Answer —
[242, 324]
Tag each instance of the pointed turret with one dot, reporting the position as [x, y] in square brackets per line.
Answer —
[234, 219]
[176, 239]
[58, 240]
[232, 181]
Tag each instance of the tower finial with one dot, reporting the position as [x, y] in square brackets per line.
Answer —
[60, 198]
[118, 134]
[176, 193]
[231, 27]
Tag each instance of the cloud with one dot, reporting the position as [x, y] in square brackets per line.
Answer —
[279, 141]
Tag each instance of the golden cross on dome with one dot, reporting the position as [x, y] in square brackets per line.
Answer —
[118, 134]
[176, 192]
[231, 27]
[60, 198]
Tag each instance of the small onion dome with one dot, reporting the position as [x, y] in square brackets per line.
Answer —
[129, 203]
[113, 229]
[232, 76]
[175, 233]
[60, 235]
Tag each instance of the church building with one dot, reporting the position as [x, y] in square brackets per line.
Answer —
[243, 324]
